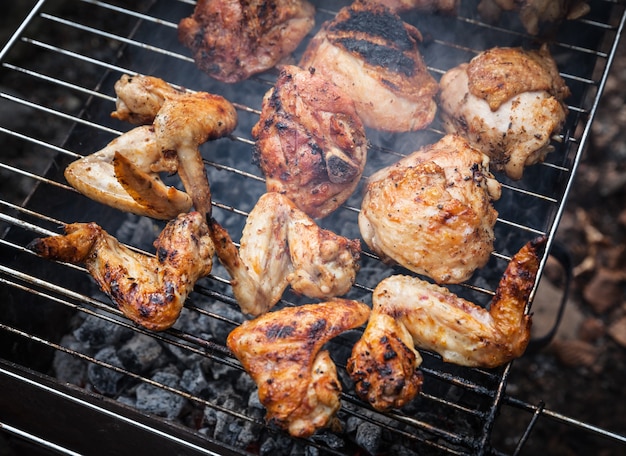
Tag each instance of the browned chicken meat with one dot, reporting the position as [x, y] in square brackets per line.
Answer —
[280, 350]
[125, 174]
[139, 98]
[534, 13]
[373, 56]
[508, 102]
[432, 211]
[281, 246]
[233, 40]
[440, 6]
[310, 142]
[150, 290]
[409, 312]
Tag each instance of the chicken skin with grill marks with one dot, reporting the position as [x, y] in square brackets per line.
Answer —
[432, 211]
[310, 142]
[373, 56]
[149, 290]
[232, 40]
[281, 246]
[409, 312]
[280, 350]
[508, 102]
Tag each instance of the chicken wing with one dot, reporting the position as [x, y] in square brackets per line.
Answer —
[508, 102]
[281, 246]
[139, 98]
[432, 211]
[310, 142]
[409, 312]
[149, 290]
[280, 350]
[439, 6]
[373, 56]
[233, 40]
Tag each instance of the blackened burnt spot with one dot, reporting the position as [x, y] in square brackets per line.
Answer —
[381, 24]
[382, 56]
[278, 331]
[317, 329]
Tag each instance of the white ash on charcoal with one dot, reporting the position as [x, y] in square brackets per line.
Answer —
[95, 333]
[103, 379]
[67, 367]
[160, 402]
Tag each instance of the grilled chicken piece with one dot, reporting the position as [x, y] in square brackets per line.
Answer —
[534, 13]
[122, 175]
[432, 211]
[280, 350]
[125, 174]
[181, 125]
[409, 312]
[310, 143]
[139, 98]
[281, 246]
[233, 40]
[149, 290]
[440, 6]
[508, 102]
[373, 56]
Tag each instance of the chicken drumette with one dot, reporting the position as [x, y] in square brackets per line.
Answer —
[373, 56]
[233, 40]
[508, 102]
[310, 143]
[280, 350]
[409, 312]
[281, 246]
[150, 290]
[432, 211]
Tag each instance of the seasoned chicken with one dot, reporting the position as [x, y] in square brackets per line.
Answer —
[139, 98]
[281, 246]
[280, 350]
[232, 40]
[534, 13]
[122, 176]
[125, 174]
[310, 143]
[432, 211]
[150, 290]
[440, 6]
[508, 102]
[409, 312]
[373, 56]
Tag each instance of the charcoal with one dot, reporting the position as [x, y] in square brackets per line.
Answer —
[158, 401]
[330, 440]
[68, 368]
[248, 435]
[401, 450]
[140, 353]
[103, 379]
[368, 437]
[276, 445]
[193, 381]
[96, 332]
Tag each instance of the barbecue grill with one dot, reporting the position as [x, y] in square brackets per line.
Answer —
[78, 378]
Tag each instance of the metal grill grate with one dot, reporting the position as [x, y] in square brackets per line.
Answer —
[92, 43]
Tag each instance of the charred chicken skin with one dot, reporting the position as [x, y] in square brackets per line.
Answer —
[310, 142]
[280, 350]
[373, 56]
[409, 312]
[432, 211]
[439, 6]
[232, 40]
[508, 102]
[281, 246]
[149, 290]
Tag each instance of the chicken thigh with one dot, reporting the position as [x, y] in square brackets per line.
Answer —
[373, 56]
[432, 211]
[280, 350]
[232, 40]
[310, 143]
[508, 102]
[281, 246]
[150, 290]
[409, 312]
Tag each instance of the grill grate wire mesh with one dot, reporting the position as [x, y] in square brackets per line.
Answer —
[74, 98]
